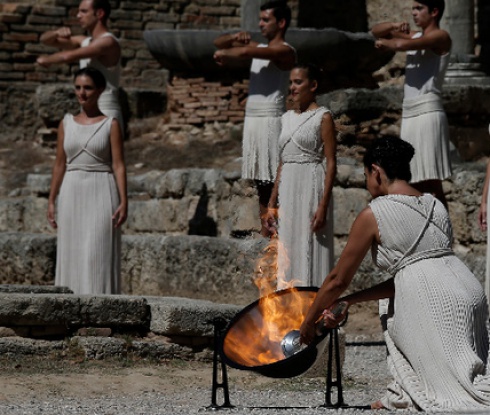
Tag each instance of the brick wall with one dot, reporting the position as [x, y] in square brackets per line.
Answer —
[199, 101]
[22, 23]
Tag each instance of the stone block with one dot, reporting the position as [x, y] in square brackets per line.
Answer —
[218, 11]
[73, 311]
[19, 346]
[119, 14]
[166, 216]
[187, 317]
[48, 10]
[21, 37]
[10, 46]
[131, 5]
[35, 216]
[363, 102]
[127, 24]
[11, 18]
[242, 214]
[44, 20]
[11, 215]
[39, 184]
[53, 101]
[34, 289]
[191, 266]
[27, 258]
[10, 8]
[99, 348]
[347, 205]
[158, 26]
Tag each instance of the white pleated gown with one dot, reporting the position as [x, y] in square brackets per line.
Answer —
[304, 257]
[437, 336]
[424, 122]
[88, 247]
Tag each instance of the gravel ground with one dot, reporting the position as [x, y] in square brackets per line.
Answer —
[187, 389]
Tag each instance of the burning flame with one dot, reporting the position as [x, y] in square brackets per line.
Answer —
[255, 339]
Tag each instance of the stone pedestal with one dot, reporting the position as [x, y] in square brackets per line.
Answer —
[459, 21]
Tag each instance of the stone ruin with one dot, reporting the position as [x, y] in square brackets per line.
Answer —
[191, 232]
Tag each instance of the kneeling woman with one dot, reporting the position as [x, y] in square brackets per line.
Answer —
[435, 309]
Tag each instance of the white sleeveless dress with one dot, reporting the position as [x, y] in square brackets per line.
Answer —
[304, 258]
[265, 105]
[424, 122]
[109, 100]
[437, 331]
[88, 247]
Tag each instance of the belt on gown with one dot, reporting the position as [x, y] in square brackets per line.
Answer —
[101, 168]
[303, 159]
[419, 256]
[264, 109]
[422, 105]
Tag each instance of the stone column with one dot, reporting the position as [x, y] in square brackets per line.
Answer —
[250, 10]
[459, 21]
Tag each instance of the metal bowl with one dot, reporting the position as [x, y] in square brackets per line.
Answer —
[242, 342]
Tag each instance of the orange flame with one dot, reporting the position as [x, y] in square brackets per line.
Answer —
[255, 339]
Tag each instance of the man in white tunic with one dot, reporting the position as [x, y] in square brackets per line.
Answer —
[99, 49]
[424, 122]
[269, 78]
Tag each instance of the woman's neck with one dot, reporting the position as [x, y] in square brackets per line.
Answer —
[401, 187]
[92, 112]
[308, 106]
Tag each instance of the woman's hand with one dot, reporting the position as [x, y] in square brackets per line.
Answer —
[319, 219]
[270, 220]
[482, 216]
[51, 216]
[333, 316]
[307, 332]
[120, 215]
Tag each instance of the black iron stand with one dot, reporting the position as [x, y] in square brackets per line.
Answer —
[219, 366]
[333, 342]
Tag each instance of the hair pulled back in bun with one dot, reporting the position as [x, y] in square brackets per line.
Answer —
[392, 154]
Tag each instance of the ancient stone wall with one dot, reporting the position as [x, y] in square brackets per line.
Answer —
[194, 232]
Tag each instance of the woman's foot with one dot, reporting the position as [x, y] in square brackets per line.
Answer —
[377, 405]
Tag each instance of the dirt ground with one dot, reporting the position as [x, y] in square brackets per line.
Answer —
[26, 378]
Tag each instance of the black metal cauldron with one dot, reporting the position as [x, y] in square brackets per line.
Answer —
[249, 337]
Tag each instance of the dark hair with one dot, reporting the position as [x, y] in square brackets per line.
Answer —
[280, 9]
[94, 74]
[105, 5]
[434, 4]
[392, 154]
[313, 72]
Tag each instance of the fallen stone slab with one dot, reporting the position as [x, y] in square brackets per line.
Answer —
[46, 315]
[20, 346]
[73, 311]
[99, 348]
[172, 316]
[34, 289]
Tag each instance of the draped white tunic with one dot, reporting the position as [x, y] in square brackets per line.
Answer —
[437, 327]
[304, 257]
[424, 122]
[88, 247]
[265, 106]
